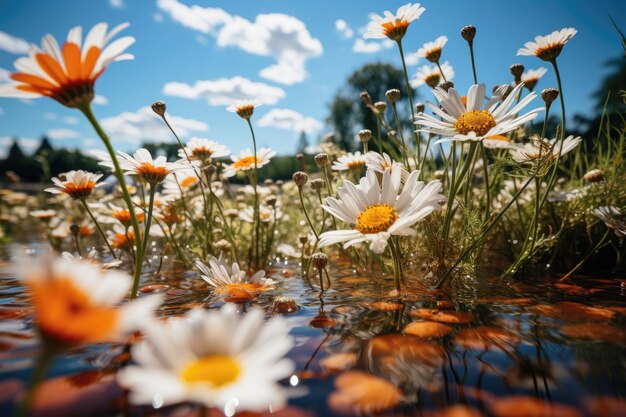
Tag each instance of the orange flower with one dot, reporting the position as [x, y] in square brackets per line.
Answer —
[77, 184]
[74, 301]
[68, 73]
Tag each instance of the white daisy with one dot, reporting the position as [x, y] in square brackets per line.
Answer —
[548, 47]
[379, 163]
[231, 282]
[544, 149]
[531, 77]
[67, 74]
[432, 50]
[350, 161]
[141, 164]
[200, 149]
[464, 120]
[393, 26]
[266, 214]
[77, 184]
[376, 211]
[215, 358]
[180, 181]
[431, 76]
[498, 142]
[244, 108]
[245, 161]
[75, 301]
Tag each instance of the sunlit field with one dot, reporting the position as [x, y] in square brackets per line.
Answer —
[448, 241]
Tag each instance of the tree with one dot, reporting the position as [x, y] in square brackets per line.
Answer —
[348, 114]
[303, 143]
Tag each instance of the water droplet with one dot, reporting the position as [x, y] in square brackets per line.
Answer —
[294, 380]
[157, 401]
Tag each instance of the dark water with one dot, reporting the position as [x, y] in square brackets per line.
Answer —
[495, 349]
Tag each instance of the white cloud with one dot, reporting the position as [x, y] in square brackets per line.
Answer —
[144, 124]
[101, 100]
[12, 44]
[158, 17]
[202, 40]
[50, 116]
[4, 75]
[27, 145]
[345, 31]
[71, 120]
[62, 133]
[290, 120]
[277, 35]
[117, 4]
[225, 91]
[362, 47]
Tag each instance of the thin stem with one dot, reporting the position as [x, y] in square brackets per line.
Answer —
[441, 72]
[404, 147]
[86, 110]
[93, 218]
[43, 363]
[77, 243]
[589, 254]
[409, 94]
[471, 48]
[487, 186]
[306, 214]
[397, 269]
[257, 214]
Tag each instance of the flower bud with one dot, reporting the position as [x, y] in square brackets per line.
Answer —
[366, 98]
[317, 184]
[517, 70]
[549, 95]
[300, 157]
[365, 135]
[319, 260]
[303, 238]
[447, 85]
[595, 175]
[159, 108]
[381, 106]
[210, 170]
[321, 159]
[223, 245]
[271, 200]
[284, 305]
[468, 32]
[420, 107]
[393, 95]
[75, 229]
[268, 182]
[300, 178]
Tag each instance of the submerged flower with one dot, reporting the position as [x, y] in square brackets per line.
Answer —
[200, 149]
[543, 149]
[68, 73]
[431, 76]
[75, 301]
[231, 282]
[244, 108]
[350, 161]
[77, 184]
[245, 161]
[612, 218]
[548, 47]
[531, 77]
[432, 50]
[141, 164]
[216, 358]
[393, 26]
[469, 120]
[376, 211]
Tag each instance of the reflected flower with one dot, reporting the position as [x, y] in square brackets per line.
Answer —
[67, 74]
[548, 47]
[377, 211]
[216, 359]
[393, 26]
[77, 184]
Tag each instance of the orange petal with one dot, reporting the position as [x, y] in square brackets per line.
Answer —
[52, 68]
[90, 62]
[33, 80]
[71, 55]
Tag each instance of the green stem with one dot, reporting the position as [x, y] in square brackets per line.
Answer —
[471, 48]
[409, 94]
[43, 363]
[397, 269]
[487, 185]
[441, 72]
[404, 147]
[86, 110]
[589, 254]
[93, 218]
[146, 234]
[257, 214]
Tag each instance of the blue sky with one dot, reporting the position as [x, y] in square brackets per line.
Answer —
[193, 53]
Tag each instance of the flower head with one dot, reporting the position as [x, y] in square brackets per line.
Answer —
[231, 282]
[543, 150]
[393, 26]
[180, 181]
[141, 164]
[432, 50]
[531, 77]
[431, 76]
[244, 108]
[215, 358]
[245, 161]
[68, 73]
[350, 161]
[75, 301]
[468, 119]
[77, 184]
[376, 211]
[548, 47]
[200, 149]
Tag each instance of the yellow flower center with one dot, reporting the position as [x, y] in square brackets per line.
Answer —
[477, 121]
[245, 162]
[216, 370]
[395, 30]
[375, 219]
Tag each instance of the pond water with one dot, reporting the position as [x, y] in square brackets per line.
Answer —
[497, 348]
